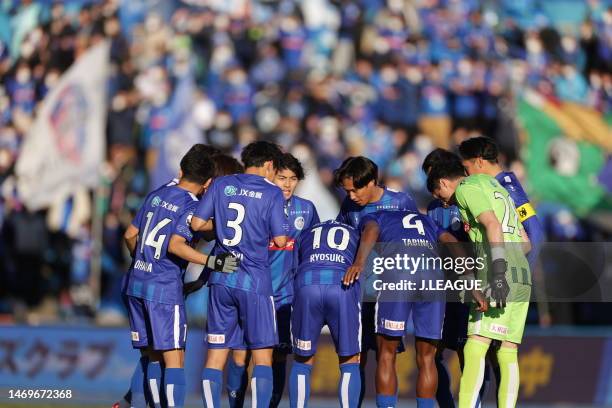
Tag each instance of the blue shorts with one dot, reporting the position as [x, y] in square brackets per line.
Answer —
[428, 318]
[336, 306]
[454, 334]
[368, 335]
[283, 323]
[160, 325]
[240, 319]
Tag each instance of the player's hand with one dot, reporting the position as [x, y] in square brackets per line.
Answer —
[224, 262]
[499, 286]
[481, 301]
[190, 287]
[352, 274]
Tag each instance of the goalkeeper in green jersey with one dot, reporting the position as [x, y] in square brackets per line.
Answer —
[493, 225]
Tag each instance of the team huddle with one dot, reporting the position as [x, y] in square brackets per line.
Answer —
[277, 276]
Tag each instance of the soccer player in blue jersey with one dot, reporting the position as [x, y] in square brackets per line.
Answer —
[301, 216]
[325, 251]
[159, 239]
[411, 234]
[358, 176]
[246, 211]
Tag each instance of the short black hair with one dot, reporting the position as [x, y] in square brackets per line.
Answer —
[255, 154]
[202, 148]
[449, 169]
[481, 146]
[361, 169]
[435, 157]
[290, 162]
[197, 167]
[226, 164]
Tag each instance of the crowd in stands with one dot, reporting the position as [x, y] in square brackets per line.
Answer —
[389, 79]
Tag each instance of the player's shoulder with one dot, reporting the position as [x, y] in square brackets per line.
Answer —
[393, 193]
[434, 204]
[334, 223]
[303, 202]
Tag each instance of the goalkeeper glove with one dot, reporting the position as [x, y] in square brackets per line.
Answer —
[499, 286]
[224, 262]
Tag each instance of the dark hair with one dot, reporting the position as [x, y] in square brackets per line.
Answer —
[483, 147]
[255, 154]
[435, 157]
[197, 167]
[226, 164]
[361, 169]
[449, 169]
[289, 162]
[201, 148]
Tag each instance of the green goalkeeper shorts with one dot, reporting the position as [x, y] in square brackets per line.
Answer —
[507, 324]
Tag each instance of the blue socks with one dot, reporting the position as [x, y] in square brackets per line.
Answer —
[154, 374]
[363, 385]
[174, 380]
[299, 384]
[137, 385]
[443, 393]
[425, 402]
[386, 401]
[261, 386]
[237, 380]
[279, 371]
[350, 385]
[212, 381]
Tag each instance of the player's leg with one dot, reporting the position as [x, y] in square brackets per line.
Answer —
[169, 333]
[223, 332]
[368, 342]
[142, 393]
[237, 377]
[509, 375]
[386, 377]
[258, 319]
[472, 376]
[299, 381]
[428, 318]
[444, 396]
[279, 357]
[342, 311]
[427, 380]
[306, 324]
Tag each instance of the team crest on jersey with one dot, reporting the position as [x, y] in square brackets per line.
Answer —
[230, 190]
[156, 201]
[135, 336]
[299, 223]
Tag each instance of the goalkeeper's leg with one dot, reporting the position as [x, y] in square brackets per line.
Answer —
[508, 366]
[472, 377]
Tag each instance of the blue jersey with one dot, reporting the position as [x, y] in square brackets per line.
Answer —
[156, 275]
[526, 212]
[391, 200]
[447, 218]
[248, 211]
[325, 251]
[408, 228]
[301, 215]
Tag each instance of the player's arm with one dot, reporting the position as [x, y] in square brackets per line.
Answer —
[198, 224]
[130, 237]
[458, 251]
[369, 236]
[224, 262]
[495, 236]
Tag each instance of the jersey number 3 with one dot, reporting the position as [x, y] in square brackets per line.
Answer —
[235, 224]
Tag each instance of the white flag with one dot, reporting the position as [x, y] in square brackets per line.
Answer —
[65, 146]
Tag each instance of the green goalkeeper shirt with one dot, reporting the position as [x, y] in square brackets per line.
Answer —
[479, 193]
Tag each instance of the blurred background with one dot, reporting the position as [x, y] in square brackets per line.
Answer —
[99, 100]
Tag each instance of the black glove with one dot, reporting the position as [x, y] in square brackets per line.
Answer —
[499, 286]
[224, 262]
[190, 287]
